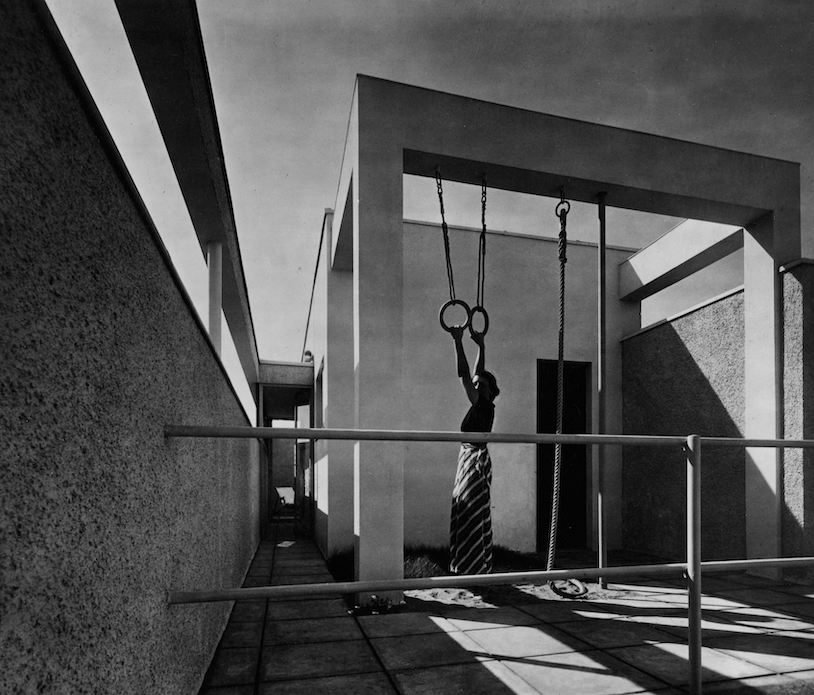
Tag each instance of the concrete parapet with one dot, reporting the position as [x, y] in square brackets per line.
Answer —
[100, 349]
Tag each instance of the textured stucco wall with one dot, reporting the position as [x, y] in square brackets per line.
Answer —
[685, 377]
[798, 391]
[99, 349]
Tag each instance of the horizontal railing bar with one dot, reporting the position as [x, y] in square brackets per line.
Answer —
[474, 437]
[758, 563]
[415, 435]
[773, 443]
[462, 581]
[333, 588]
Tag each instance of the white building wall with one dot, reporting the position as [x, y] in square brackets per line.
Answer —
[331, 323]
[521, 293]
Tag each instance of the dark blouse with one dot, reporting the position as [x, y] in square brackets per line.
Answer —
[480, 417]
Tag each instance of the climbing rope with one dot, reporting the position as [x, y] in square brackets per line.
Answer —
[570, 588]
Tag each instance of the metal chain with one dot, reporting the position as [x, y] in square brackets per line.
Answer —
[446, 235]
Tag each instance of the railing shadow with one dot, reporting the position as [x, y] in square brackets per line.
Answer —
[646, 643]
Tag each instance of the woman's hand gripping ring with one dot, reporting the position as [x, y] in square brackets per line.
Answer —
[472, 330]
[453, 302]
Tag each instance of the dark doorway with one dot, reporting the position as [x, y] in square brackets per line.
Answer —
[573, 511]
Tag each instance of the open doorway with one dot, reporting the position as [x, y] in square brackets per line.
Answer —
[572, 523]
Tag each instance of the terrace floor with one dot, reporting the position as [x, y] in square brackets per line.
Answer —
[758, 637]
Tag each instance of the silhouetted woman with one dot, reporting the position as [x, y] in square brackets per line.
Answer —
[470, 536]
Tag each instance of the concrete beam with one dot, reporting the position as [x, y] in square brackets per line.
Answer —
[287, 373]
[684, 250]
[166, 41]
[538, 154]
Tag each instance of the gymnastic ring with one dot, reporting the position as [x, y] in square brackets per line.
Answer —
[478, 310]
[568, 588]
[446, 306]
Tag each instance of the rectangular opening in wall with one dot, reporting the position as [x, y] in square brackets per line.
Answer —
[574, 499]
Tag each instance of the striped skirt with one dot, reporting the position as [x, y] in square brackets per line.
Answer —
[470, 534]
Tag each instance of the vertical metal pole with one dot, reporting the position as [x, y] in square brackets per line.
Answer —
[693, 449]
[214, 257]
[602, 547]
[262, 456]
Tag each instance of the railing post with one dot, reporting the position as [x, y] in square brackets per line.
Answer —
[693, 450]
[601, 395]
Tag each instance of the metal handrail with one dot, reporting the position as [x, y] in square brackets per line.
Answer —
[462, 581]
[692, 567]
[245, 432]
[413, 435]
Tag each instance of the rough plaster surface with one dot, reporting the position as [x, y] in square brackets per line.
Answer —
[685, 377]
[101, 515]
[798, 393]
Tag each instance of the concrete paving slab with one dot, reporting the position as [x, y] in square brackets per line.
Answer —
[771, 685]
[631, 643]
[711, 626]
[565, 611]
[283, 568]
[316, 578]
[634, 606]
[259, 572]
[354, 684]
[252, 581]
[670, 663]
[248, 610]
[762, 597]
[521, 641]
[400, 624]
[615, 633]
[424, 651]
[309, 608]
[745, 579]
[311, 630]
[233, 667]
[580, 673]
[720, 602]
[766, 619]
[290, 661]
[482, 618]
[778, 652]
[242, 634]
[229, 690]
[486, 678]
[714, 584]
